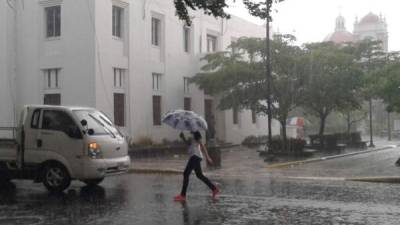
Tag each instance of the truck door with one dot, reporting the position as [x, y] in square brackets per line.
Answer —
[60, 135]
[28, 132]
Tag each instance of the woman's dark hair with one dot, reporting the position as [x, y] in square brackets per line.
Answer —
[196, 135]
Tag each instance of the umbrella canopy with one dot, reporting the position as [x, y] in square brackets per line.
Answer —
[296, 121]
[185, 120]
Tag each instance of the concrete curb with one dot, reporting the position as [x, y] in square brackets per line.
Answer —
[155, 171]
[301, 162]
[389, 179]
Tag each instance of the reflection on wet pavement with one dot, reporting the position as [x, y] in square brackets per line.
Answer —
[147, 200]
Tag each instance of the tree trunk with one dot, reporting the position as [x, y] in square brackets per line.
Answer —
[284, 135]
[371, 140]
[389, 128]
[321, 130]
[348, 123]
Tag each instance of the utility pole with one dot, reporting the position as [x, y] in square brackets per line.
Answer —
[371, 140]
[268, 74]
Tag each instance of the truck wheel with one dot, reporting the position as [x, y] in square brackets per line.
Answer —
[93, 182]
[55, 177]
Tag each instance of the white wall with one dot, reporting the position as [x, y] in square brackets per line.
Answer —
[7, 68]
[73, 52]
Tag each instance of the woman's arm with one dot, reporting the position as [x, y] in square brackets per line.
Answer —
[182, 136]
[205, 152]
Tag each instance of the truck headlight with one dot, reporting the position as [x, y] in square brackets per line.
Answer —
[94, 151]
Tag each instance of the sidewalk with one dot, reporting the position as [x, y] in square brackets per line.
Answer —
[236, 161]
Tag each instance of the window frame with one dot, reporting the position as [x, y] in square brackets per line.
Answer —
[214, 41]
[187, 38]
[55, 25]
[117, 23]
[155, 31]
[157, 81]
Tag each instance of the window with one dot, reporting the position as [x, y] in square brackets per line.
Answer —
[53, 21]
[186, 84]
[156, 110]
[155, 31]
[187, 103]
[186, 38]
[235, 115]
[233, 46]
[157, 81]
[117, 13]
[52, 99]
[253, 116]
[119, 78]
[211, 43]
[119, 109]
[57, 120]
[51, 78]
[35, 119]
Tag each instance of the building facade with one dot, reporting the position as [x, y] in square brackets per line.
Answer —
[130, 59]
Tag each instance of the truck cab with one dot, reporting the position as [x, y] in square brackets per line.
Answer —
[57, 144]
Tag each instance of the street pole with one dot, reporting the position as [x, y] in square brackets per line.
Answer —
[371, 141]
[268, 76]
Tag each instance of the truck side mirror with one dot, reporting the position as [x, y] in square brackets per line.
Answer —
[90, 131]
[84, 123]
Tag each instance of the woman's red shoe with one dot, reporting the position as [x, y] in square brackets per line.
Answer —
[180, 198]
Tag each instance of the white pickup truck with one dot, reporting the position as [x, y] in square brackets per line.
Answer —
[56, 144]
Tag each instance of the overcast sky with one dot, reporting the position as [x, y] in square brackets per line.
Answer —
[312, 20]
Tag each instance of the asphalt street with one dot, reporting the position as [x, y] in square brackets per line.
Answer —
[298, 195]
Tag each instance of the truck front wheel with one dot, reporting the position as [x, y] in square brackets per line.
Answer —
[55, 177]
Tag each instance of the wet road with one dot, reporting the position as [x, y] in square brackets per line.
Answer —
[276, 197]
[147, 199]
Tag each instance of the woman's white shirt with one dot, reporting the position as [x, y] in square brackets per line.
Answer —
[194, 149]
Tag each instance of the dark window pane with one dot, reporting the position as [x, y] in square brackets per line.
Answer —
[187, 104]
[253, 116]
[235, 116]
[57, 22]
[156, 110]
[57, 120]
[52, 99]
[119, 109]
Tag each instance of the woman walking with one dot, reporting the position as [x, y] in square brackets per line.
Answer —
[196, 151]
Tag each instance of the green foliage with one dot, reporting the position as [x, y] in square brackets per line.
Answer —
[334, 80]
[389, 88]
[217, 8]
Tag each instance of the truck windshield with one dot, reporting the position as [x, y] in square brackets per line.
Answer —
[98, 122]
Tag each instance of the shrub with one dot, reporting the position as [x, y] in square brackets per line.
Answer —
[294, 145]
[144, 141]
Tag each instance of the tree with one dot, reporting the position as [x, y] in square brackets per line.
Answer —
[370, 57]
[238, 77]
[389, 89]
[333, 80]
[217, 8]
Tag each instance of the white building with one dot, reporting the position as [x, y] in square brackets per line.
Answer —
[130, 59]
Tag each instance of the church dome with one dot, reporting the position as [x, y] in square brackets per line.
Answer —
[370, 18]
[339, 36]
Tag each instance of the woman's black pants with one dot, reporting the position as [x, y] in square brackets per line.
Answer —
[194, 163]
